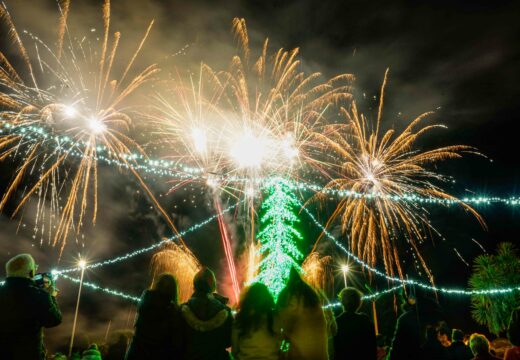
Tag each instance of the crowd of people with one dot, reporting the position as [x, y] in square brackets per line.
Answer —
[298, 325]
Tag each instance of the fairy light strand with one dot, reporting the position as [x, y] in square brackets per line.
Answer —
[444, 290]
[182, 171]
[149, 248]
[102, 289]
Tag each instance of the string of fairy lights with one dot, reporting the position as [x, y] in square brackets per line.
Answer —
[412, 282]
[181, 171]
[178, 170]
[151, 247]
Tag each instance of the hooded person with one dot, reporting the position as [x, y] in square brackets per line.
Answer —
[207, 321]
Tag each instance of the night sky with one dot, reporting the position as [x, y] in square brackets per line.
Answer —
[458, 58]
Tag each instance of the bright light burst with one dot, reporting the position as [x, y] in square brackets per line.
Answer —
[378, 166]
[249, 122]
[180, 262]
[316, 271]
[73, 93]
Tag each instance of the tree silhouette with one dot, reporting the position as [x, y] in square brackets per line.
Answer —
[490, 272]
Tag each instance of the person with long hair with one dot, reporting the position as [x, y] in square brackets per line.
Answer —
[254, 333]
[158, 332]
[303, 324]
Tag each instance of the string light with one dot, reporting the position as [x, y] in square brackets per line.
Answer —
[278, 237]
[103, 289]
[367, 297]
[149, 248]
[136, 299]
[454, 291]
[182, 171]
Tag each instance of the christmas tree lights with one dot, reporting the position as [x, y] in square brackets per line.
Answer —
[278, 237]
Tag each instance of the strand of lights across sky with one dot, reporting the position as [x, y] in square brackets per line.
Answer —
[181, 171]
[136, 299]
[149, 248]
[453, 291]
[370, 297]
[103, 289]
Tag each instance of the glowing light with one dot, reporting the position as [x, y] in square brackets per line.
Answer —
[70, 111]
[96, 126]
[82, 264]
[199, 140]
[249, 151]
[289, 149]
[212, 181]
[278, 236]
[345, 268]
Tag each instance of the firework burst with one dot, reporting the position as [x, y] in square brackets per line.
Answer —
[76, 109]
[179, 261]
[317, 271]
[250, 121]
[377, 168]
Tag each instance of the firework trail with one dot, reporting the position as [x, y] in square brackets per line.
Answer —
[377, 166]
[75, 107]
[179, 261]
[317, 271]
[228, 249]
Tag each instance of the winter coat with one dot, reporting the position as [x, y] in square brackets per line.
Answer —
[306, 330]
[459, 351]
[157, 329]
[356, 337]
[258, 344]
[207, 325]
[24, 310]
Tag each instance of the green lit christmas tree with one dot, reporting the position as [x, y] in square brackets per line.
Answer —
[278, 237]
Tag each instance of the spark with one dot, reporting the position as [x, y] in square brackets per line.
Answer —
[178, 260]
[378, 167]
[249, 151]
[75, 96]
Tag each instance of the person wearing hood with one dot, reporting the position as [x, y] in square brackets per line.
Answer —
[207, 321]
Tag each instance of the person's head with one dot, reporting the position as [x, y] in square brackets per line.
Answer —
[513, 331]
[478, 344]
[457, 335]
[350, 298]
[166, 285]
[204, 281]
[22, 266]
[255, 309]
[298, 288]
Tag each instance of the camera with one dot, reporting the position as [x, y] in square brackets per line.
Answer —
[44, 280]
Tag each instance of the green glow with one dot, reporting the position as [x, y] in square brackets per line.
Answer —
[278, 236]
